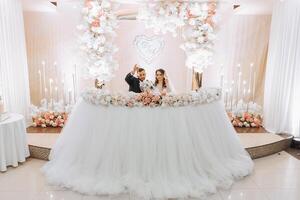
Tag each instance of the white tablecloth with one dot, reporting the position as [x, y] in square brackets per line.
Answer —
[13, 141]
[172, 152]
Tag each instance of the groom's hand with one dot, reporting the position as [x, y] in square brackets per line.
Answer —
[135, 69]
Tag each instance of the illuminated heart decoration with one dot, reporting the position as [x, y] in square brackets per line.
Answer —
[148, 48]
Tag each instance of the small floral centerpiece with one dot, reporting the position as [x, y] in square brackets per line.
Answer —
[246, 119]
[147, 98]
[49, 119]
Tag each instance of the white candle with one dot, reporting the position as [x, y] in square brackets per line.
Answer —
[221, 81]
[46, 91]
[74, 86]
[254, 85]
[64, 91]
[44, 74]
[238, 87]
[76, 82]
[40, 83]
[244, 91]
[226, 98]
[55, 73]
[250, 77]
[56, 92]
[249, 91]
[231, 99]
[70, 96]
[50, 88]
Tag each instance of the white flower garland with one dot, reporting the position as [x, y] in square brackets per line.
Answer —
[195, 17]
[163, 17]
[199, 36]
[98, 29]
[102, 98]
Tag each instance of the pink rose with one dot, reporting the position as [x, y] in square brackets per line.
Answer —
[253, 125]
[240, 124]
[234, 123]
[257, 121]
[96, 23]
[156, 98]
[47, 116]
[130, 104]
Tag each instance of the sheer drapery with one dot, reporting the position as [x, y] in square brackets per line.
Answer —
[242, 39]
[282, 86]
[14, 86]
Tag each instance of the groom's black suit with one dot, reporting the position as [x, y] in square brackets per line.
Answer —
[134, 83]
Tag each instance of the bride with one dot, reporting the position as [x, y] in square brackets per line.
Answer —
[161, 82]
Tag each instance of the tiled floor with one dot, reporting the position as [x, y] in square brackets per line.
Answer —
[276, 177]
[294, 152]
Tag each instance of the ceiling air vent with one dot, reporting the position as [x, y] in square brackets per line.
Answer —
[54, 3]
[236, 6]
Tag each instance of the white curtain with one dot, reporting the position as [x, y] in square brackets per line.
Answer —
[282, 86]
[242, 39]
[14, 85]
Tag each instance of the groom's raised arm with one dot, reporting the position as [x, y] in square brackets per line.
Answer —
[129, 78]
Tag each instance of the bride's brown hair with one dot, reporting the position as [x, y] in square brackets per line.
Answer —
[162, 71]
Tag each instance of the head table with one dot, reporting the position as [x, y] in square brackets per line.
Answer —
[183, 147]
[13, 141]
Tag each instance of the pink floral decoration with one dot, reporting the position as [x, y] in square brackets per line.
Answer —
[50, 119]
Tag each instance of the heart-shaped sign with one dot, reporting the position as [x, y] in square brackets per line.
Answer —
[148, 48]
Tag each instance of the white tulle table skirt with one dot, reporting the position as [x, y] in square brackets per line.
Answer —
[149, 152]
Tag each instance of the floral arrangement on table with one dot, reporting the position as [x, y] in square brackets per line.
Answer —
[150, 99]
[246, 120]
[49, 119]
[146, 98]
[98, 30]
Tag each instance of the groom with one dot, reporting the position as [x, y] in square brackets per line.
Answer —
[134, 82]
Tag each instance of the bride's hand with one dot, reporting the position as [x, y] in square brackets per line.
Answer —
[163, 93]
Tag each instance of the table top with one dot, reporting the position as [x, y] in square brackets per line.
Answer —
[12, 117]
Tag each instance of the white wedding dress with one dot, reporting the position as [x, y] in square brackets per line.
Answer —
[180, 152]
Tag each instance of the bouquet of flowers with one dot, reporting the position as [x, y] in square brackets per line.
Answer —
[49, 119]
[147, 85]
[246, 119]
